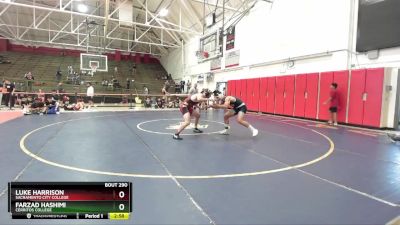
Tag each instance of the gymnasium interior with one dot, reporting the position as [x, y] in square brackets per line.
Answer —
[297, 103]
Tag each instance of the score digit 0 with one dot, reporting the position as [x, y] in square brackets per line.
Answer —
[121, 194]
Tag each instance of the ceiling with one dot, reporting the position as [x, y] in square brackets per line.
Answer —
[63, 23]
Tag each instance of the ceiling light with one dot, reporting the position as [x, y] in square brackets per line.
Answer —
[82, 8]
[163, 12]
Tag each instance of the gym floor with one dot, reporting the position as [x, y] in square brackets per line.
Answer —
[293, 172]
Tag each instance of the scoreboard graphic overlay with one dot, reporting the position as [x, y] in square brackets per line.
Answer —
[70, 200]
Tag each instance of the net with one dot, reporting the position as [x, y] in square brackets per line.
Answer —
[94, 65]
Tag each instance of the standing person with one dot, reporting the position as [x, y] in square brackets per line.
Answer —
[164, 90]
[2, 89]
[193, 90]
[90, 94]
[166, 85]
[234, 107]
[145, 90]
[188, 86]
[187, 109]
[58, 75]
[334, 104]
[128, 83]
[9, 96]
[29, 77]
[182, 86]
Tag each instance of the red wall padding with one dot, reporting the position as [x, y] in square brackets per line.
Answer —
[289, 95]
[263, 93]
[301, 88]
[117, 56]
[312, 96]
[249, 94]
[138, 58]
[279, 95]
[298, 95]
[271, 94]
[243, 93]
[356, 103]
[342, 79]
[325, 81]
[3, 45]
[373, 103]
[67, 52]
[237, 89]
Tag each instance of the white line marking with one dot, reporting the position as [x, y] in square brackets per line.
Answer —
[156, 132]
[329, 181]
[180, 186]
[29, 153]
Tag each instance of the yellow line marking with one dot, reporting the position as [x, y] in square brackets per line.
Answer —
[29, 153]
[395, 221]
[294, 121]
[323, 126]
[372, 134]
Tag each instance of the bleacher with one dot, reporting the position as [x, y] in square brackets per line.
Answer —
[44, 68]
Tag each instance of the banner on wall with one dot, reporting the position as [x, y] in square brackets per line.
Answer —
[230, 38]
[232, 59]
[215, 64]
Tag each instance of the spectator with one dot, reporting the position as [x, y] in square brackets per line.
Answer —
[58, 75]
[37, 107]
[41, 95]
[224, 91]
[147, 103]
[164, 91]
[167, 85]
[394, 137]
[160, 103]
[90, 94]
[188, 86]
[193, 90]
[2, 89]
[145, 90]
[9, 96]
[29, 77]
[52, 106]
[75, 107]
[182, 86]
[60, 88]
[134, 69]
[70, 70]
[334, 104]
[128, 83]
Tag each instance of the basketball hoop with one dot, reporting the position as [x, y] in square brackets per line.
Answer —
[93, 66]
[202, 55]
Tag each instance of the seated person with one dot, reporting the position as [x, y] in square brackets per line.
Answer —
[171, 103]
[176, 103]
[394, 137]
[52, 105]
[160, 103]
[37, 106]
[80, 105]
[147, 102]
